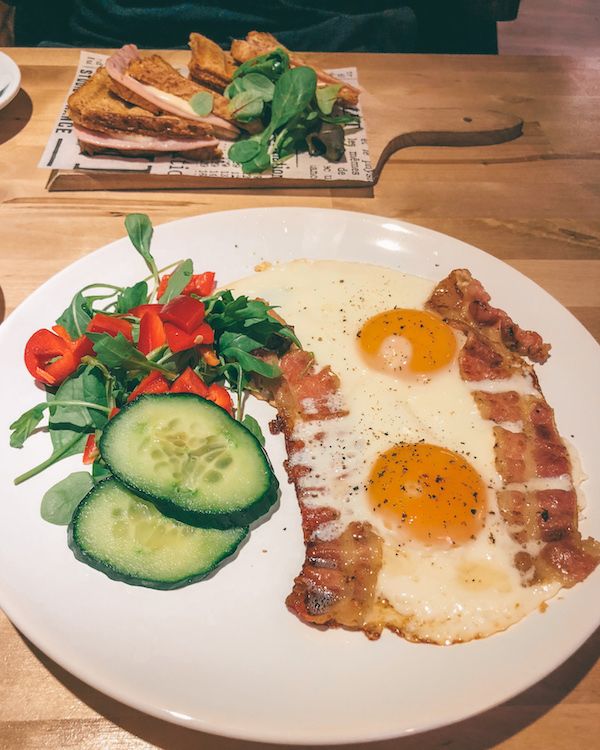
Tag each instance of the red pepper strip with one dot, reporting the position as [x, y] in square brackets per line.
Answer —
[189, 382]
[152, 333]
[220, 396]
[113, 412]
[90, 452]
[141, 309]
[209, 356]
[49, 357]
[82, 347]
[201, 284]
[185, 312]
[178, 340]
[101, 323]
[152, 383]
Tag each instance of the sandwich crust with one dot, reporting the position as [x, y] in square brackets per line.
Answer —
[210, 65]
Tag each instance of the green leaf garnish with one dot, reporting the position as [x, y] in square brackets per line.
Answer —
[178, 281]
[252, 426]
[140, 231]
[202, 103]
[60, 501]
[327, 97]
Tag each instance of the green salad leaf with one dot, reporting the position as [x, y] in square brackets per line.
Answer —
[60, 501]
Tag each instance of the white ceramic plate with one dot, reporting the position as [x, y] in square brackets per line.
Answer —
[224, 655]
[10, 80]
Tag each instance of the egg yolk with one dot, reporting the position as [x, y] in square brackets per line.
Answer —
[413, 339]
[432, 493]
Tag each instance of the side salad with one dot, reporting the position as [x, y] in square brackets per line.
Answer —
[139, 380]
[297, 115]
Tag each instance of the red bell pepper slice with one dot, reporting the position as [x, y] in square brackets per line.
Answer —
[155, 382]
[189, 382]
[178, 340]
[140, 310]
[185, 312]
[152, 333]
[50, 358]
[90, 452]
[82, 347]
[101, 323]
[220, 396]
[201, 284]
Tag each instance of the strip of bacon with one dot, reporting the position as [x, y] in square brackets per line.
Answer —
[336, 585]
[529, 448]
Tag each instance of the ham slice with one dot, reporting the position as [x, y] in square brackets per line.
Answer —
[116, 67]
[137, 142]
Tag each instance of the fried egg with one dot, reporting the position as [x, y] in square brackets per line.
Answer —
[413, 457]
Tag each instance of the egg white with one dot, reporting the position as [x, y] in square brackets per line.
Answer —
[440, 595]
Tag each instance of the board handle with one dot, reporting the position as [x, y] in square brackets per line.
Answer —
[447, 127]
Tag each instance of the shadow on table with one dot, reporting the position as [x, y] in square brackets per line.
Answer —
[15, 116]
[478, 733]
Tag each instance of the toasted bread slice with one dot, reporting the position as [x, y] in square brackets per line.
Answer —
[156, 71]
[96, 107]
[210, 65]
[260, 42]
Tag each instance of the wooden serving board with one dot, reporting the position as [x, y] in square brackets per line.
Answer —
[388, 130]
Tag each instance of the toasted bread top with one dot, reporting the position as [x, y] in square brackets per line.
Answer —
[96, 107]
[210, 64]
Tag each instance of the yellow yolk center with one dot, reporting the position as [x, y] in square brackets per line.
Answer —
[413, 339]
[433, 494]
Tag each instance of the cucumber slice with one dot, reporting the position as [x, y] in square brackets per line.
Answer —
[191, 459]
[129, 540]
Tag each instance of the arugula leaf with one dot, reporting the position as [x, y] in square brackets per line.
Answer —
[76, 317]
[178, 281]
[327, 96]
[259, 163]
[67, 449]
[140, 231]
[202, 103]
[252, 426]
[116, 352]
[132, 296]
[60, 501]
[24, 426]
[236, 346]
[246, 106]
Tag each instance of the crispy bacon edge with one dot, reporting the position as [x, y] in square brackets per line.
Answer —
[336, 585]
[494, 349]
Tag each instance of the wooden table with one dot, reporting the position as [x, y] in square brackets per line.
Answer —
[534, 203]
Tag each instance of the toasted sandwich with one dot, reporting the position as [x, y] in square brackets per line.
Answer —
[153, 84]
[260, 42]
[210, 65]
[104, 123]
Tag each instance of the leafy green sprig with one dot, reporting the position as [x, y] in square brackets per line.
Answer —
[297, 114]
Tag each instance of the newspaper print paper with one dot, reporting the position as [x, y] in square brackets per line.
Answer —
[62, 150]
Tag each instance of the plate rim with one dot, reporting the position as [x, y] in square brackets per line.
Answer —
[251, 735]
[14, 85]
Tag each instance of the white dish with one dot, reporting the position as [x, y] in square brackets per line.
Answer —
[224, 655]
[10, 80]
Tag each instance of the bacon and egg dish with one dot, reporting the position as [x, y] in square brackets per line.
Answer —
[437, 497]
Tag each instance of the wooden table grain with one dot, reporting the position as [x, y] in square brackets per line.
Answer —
[534, 203]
